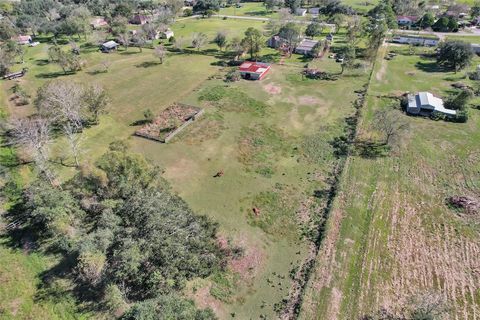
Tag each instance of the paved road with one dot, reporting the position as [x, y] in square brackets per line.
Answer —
[256, 19]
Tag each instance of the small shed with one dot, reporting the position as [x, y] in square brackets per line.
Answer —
[109, 46]
[253, 70]
[98, 23]
[166, 34]
[314, 11]
[22, 39]
[140, 19]
[301, 12]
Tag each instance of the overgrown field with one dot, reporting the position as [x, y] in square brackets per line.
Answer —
[270, 138]
[391, 237]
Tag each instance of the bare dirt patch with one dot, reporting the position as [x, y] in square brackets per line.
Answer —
[181, 169]
[308, 100]
[271, 88]
[203, 299]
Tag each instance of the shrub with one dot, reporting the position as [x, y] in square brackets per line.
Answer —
[187, 12]
[233, 76]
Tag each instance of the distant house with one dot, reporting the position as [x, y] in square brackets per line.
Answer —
[476, 48]
[98, 23]
[276, 42]
[419, 40]
[109, 46]
[406, 21]
[189, 3]
[301, 12]
[22, 39]
[140, 19]
[253, 70]
[425, 103]
[306, 46]
[314, 11]
[166, 34]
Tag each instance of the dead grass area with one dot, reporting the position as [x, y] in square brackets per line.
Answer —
[308, 100]
[206, 128]
[273, 89]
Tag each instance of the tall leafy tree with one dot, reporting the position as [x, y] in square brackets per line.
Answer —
[253, 42]
[455, 54]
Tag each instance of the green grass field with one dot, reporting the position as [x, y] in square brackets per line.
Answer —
[270, 138]
[390, 234]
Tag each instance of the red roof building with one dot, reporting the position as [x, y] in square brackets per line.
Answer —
[253, 70]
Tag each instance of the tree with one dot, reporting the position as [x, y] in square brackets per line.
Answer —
[441, 25]
[199, 39]
[253, 42]
[204, 5]
[63, 103]
[385, 11]
[106, 64]
[475, 9]
[96, 100]
[167, 307]
[390, 124]
[139, 40]
[148, 115]
[349, 55]
[376, 31]
[427, 20]
[160, 53]
[458, 101]
[125, 39]
[318, 49]
[6, 60]
[293, 5]
[455, 54]
[270, 5]
[291, 34]
[314, 29]
[337, 19]
[221, 40]
[34, 135]
[452, 24]
[236, 47]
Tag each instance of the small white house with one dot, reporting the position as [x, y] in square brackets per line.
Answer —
[415, 40]
[406, 20]
[167, 34]
[425, 103]
[476, 48]
[109, 46]
[301, 12]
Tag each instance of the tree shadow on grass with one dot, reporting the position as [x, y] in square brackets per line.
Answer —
[256, 13]
[125, 53]
[147, 64]
[139, 122]
[53, 75]
[95, 72]
[42, 62]
[371, 149]
[431, 67]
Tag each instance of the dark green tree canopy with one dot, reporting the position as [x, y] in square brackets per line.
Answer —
[455, 54]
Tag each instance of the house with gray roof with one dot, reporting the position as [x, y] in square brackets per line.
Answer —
[306, 46]
[425, 103]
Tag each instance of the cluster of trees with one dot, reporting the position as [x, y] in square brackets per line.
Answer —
[63, 107]
[9, 52]
[130, 239]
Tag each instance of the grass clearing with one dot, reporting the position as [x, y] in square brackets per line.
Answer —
[261, 134]
[390, 234]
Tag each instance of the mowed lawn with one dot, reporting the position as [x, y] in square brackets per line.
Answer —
[270, 138]
[391, 235]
